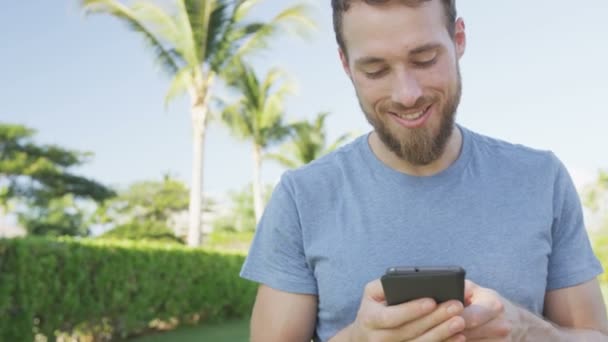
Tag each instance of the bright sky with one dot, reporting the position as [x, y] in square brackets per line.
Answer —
[535, 73]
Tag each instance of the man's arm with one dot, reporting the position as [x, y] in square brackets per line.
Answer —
[575, 313]
[282, 316]
[579, 314]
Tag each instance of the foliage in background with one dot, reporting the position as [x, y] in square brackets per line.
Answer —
[58, 217]
[258, 115]
[197, 42]
[600, 247]
[142, 231]
[37, 184]
[114, 289]
[307, 142]
[144, 210]
[152, 201]
[240, 217]
[595, 197]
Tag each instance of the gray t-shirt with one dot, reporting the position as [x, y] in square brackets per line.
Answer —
[508, 214]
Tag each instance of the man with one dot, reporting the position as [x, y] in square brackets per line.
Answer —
[421, 190]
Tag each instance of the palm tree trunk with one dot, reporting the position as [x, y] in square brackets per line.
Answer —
[258, 204]
[199, 126]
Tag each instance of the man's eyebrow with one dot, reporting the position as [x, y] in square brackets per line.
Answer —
[369, 60]
[425, 48]
[377, 60]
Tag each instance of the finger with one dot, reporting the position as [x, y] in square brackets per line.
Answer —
[443, 331]
[443, 313]
[469, 288]
[388, 317]
[374, 291]
[456, 338]
[485, 306]
[497, 328]
[394, 316]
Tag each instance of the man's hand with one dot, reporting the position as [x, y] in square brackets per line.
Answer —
[489, 316]
[419, 320]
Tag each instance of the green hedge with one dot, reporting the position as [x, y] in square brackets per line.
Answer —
[113, 288]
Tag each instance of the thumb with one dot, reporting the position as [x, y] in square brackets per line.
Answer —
[374, 291]
[469, 290]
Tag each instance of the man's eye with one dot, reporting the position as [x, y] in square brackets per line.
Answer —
[375, 74]
[425, 64]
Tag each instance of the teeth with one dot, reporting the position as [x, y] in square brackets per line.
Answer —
[412, 116]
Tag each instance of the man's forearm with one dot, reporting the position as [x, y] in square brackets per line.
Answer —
[537, 329]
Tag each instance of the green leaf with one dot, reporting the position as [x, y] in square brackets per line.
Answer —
[166, 57]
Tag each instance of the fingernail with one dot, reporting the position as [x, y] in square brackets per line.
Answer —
[427, 305]
[453, 309]
[456, 326]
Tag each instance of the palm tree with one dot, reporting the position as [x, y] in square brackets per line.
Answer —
[257, 115]
[196, 42]
[307, 143]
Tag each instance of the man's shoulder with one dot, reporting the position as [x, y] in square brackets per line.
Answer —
[503, 151]
[328, 168]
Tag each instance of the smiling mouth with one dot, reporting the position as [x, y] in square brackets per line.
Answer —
[412, 116]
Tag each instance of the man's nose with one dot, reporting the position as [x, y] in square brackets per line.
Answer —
[406, 90]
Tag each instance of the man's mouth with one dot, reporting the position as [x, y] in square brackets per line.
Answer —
[412, 119]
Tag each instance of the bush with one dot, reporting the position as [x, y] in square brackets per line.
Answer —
[142, 231]
[227, 240]
[113, 288]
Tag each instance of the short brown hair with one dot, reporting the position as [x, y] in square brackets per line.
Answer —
[340, 7]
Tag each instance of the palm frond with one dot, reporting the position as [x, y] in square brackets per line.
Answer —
[273, 76]
[282, 159]
[294, 19]
[260, 107]
[191, 27]
[157, 19]
[236, 120]
[242, 9]
[340, 141]
[220, 21]
[320, 121]
[182, 80]
[225, 58]
[167, 59]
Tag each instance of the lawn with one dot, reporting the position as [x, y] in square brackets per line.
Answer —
[236, 331]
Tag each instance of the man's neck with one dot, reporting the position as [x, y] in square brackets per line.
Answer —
[449, 156]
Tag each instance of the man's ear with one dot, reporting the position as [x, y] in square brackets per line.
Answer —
[344, 61]
[460, 38]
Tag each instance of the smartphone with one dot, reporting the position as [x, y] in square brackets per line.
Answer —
[403, 284]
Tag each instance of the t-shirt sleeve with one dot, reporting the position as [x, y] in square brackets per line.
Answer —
[276, 257]
[572, 260]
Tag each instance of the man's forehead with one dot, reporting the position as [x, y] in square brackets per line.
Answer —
[372, 28]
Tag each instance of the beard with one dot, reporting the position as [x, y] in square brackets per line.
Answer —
[419, 146]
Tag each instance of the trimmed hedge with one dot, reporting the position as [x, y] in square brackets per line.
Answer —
[113, 288]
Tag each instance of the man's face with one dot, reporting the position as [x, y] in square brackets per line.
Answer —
[404, 67]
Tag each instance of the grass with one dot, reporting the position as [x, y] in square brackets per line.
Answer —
[235, 331]
[236, 241]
